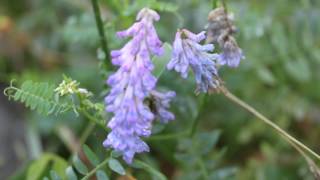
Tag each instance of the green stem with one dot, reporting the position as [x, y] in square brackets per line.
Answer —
[214, 4]
[86, 133]
[312, 165]
[203, 169]
[287, 137]
[103, 40]
[224, 5]
[87, 176]
[196, 121]
[93, 119]
[194, 126]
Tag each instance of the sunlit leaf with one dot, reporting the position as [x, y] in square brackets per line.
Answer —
[79, 165]
[71, 175]
[37, 168]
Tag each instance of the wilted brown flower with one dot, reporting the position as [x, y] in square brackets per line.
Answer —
[221, 29]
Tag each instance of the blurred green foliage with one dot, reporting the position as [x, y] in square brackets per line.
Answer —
[41, 40]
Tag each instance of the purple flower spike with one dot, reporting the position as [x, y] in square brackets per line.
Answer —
[131, 84]
[187, 51]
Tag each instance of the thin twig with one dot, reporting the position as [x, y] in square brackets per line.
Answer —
[203, 168]
[103, 40]
[93, 119]
[214, 4]
[224, 5]
[197, 118]
[287, 137]
[86, 133]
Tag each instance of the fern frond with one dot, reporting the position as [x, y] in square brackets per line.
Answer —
[38, 96]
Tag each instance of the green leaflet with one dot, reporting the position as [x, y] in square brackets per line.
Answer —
[79, 165]
[71, 175]
[39, 166]
[38, 96]
[91, 155]
[116, 166]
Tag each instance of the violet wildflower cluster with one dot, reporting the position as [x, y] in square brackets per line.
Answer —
[187, 51]
[131, 85]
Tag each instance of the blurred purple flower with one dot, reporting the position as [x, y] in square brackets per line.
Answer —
[187, 51]
[161, 102]
[130, 85]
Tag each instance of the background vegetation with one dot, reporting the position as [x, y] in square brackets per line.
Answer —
[41, 40]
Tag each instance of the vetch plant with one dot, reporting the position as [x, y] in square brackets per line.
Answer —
[135, 103]
[131, 84]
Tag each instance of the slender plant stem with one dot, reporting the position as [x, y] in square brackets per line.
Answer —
[312, 165]
[197, 118]
[203, 168]
[86, 133]
[287, 137]
[103, 163]
[224, 5]
[103, 40]
[93, 119]
[214, 4]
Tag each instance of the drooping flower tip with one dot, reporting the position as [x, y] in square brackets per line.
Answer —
[187, 52]
[195, 37]
[231, 54]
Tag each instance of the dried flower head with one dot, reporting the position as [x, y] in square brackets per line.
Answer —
[221, 30]
[187, 51]
[130, 85]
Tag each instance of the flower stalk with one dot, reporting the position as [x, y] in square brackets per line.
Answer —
[103, 40]
[257, 114]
